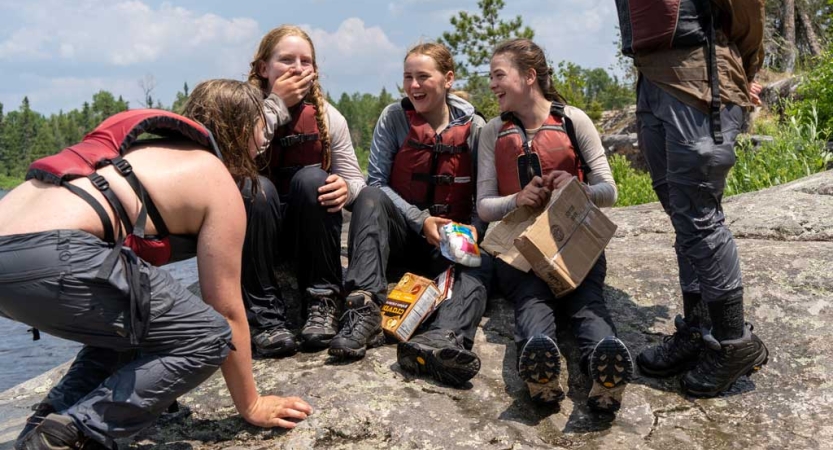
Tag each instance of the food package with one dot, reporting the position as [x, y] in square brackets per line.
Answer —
[408, 304]
[457, 243]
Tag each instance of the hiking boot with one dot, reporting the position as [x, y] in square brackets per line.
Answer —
[675, 354]
[611, 369]
[41, 410]
[439, 354]
[274, 342]
[322, 319]
[539, 366]
[724, 362]
[361, 327]
[57, 432]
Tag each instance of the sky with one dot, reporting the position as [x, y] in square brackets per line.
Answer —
[59, 53]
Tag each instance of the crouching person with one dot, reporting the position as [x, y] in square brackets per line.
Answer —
[537, 145]
[87, 271]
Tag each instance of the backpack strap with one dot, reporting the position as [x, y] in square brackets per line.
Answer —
[714, 77]
[557, 109]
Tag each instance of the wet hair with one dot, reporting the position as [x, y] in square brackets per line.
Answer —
[436, 51]
[526, 55]
[315, 95]
[229, 109]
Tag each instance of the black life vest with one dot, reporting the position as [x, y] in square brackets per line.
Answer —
[435, 171]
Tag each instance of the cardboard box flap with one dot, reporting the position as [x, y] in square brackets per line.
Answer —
[500, 240]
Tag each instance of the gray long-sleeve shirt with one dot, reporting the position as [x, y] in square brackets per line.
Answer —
[344, 161]
[492, 206]
[390, 133]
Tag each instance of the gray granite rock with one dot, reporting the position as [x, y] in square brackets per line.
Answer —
[785, 239]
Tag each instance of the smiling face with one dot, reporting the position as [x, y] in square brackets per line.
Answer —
[290, 53]
[424, 84]
[509, 86]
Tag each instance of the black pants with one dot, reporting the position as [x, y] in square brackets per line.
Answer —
[380, 240]
[536, 306]
[294, 228]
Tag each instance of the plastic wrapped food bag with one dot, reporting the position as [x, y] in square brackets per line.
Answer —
[457, 243]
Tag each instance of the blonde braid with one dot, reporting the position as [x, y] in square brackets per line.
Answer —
[323, 129]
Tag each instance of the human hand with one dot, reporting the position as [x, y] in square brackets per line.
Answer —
[271, 411]
[293, 85]
[557, 179]
[333, 193]
[534, 194]
[754, 93]
[431, 229]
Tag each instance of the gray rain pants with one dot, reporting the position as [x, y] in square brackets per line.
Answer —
[113, 388]
[689, 174]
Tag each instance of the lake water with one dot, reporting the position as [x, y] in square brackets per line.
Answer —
[21, 358]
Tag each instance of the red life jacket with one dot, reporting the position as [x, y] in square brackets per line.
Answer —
[554, 147]
[294, 146]
[435, 171]
[106, 144]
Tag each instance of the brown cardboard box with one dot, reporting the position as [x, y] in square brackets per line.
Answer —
[561, 244]
[413, 298]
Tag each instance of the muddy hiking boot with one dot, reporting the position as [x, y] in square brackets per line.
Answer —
[539, 366]
[57, 432]
[439, 354]
[611, 369]
[361, 327]
[724, 362]
[274, 342]
[322, 319]
[676, 353]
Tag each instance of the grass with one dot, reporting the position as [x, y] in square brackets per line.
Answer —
[796, 152]
[9, 183]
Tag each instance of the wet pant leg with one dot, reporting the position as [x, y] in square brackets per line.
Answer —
[48, 280]
[696, 171]
[265, 307]
[377, 230]
[313, 235]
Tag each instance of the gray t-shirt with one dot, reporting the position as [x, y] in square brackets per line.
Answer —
[492, 206]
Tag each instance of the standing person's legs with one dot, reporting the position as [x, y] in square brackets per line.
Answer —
[539, 360]
[313, 236]
[186, 340]
[682, 349]
[377, 230]
[265, 306]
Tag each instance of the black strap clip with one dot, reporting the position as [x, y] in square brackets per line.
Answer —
[439, 209]
[122, 166]
[99, 182]
[443, 179]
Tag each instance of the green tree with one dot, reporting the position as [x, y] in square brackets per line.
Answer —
[179, 102]
[474, 38]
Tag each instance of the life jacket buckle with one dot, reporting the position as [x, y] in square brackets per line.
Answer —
[443, 179]
[99, 182]
[439, 209]
[122, 166]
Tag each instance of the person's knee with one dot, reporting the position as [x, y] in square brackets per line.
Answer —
[305, 183]
[369, 199]
[212, 343]
[263, 198]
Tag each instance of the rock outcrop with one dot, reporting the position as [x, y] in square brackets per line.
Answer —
[785, 239]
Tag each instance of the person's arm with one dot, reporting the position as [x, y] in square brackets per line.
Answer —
[477, 125]
[391, 130]
[745, 30]
[276, 114]
[344, 161]
[602, 187]
[219, 251]
[491, 206]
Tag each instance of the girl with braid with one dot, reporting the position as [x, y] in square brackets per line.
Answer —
[309, 172]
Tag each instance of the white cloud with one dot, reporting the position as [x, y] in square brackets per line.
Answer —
[120, 33]
[355, 50]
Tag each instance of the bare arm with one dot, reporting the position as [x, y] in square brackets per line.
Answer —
[218, 260]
